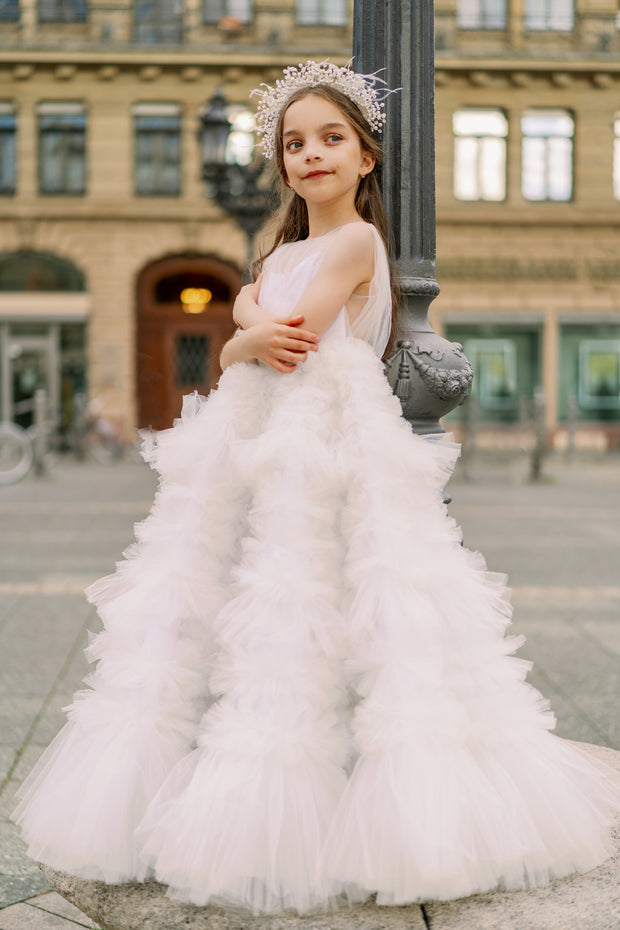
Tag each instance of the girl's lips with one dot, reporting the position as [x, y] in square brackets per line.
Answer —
[316, 174]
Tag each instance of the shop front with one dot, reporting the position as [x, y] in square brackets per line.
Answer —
[44, 310]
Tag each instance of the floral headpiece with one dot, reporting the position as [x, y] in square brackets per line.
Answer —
[362, 89]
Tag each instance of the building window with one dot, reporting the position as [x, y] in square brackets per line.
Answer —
[321, 12]
[495, 365]
[617, 156]
[555, 15]
[214, 11]
[547, 155]
[8, 167]
[480, 154]
[158, 21]
[192, 360]
[481, 14]
[62, 148]
[9, 11]
[157, 149]
[62, 11]
[599, 375]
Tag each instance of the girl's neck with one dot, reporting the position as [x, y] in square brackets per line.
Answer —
[323, 221]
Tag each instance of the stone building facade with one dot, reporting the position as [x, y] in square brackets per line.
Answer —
[104, 219]
[528, 191]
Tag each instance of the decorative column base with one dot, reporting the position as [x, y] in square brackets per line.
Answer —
[429, 375]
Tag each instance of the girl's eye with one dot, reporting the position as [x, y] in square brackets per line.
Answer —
[293, 145]
[334, 137]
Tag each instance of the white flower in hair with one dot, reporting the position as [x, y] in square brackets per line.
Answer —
[362, 89]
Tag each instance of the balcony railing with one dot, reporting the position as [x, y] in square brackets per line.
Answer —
[542, 35]
[118, 24]
[190, 25]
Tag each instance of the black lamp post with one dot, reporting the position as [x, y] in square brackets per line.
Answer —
[429, 374]
[240, 190]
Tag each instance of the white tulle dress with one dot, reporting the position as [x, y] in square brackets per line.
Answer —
[303, 692]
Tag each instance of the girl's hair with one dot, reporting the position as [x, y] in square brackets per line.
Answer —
[291, 221]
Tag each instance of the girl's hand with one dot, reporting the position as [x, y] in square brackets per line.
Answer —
[281, 345]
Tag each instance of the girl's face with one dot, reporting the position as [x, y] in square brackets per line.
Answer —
[323, 158]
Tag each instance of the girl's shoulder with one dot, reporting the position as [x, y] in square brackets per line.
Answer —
[354, 241]
[357, 233]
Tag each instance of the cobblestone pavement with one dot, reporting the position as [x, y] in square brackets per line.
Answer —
[559, 540]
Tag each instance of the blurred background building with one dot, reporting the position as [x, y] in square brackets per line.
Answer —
[118, 270]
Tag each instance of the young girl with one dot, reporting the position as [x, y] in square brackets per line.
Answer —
[303, 693]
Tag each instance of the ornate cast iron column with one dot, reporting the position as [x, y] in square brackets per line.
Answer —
[429, 374]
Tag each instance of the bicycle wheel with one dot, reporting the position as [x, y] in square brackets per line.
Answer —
[15, 453]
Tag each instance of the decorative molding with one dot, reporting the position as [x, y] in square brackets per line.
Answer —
[65, 72]
[191, 235]
[602, 269]
[481, 78]
[562, 79]
[533, 269]
[108, 72]
[26, 230]
[149, 72]
[603, 79]
[23, 72]
[507, 269]
[444, 383]
[522, 78]
[234, 75]
[191, 73]
[420, 287]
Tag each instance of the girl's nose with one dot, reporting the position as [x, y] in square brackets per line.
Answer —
[312, 156]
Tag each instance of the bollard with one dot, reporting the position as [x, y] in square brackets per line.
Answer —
[80, 425]
[471, 423]
[39, 442]
[571, 424]
[540, 435]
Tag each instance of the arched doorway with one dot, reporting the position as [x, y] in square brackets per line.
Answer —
[179, 340]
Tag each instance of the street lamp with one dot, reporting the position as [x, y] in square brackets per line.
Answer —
[429, 374]
[236, 177]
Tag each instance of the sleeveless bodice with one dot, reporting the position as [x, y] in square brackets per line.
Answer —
[289, 270]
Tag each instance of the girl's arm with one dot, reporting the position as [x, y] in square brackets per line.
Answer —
[348, 264]
[281, 345]
[246, 311]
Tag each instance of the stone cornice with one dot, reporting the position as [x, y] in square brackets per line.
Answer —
[216, 57]
[564, 64]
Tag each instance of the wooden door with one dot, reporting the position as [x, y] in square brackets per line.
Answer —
[178, 352]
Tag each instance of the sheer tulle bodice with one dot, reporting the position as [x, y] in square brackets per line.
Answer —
[303, 689]
[290, 269]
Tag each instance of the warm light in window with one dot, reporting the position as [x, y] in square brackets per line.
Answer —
[195, 299]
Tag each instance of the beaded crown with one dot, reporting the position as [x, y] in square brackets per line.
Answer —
[368, 91]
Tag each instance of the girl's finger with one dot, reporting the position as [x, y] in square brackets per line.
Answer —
[300, 346]
[293, 333]
[280, 366]
[290, 356]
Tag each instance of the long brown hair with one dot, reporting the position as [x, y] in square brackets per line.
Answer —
[290, 223]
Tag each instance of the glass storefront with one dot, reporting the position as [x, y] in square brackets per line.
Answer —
[46, 355]
[43, 311]
[589, 373]
[506, 363]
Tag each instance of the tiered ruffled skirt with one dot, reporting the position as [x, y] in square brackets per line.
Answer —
[303, 689]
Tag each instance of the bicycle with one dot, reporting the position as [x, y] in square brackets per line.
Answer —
[16, 453]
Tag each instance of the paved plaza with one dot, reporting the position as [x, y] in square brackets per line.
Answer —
[559, 540]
